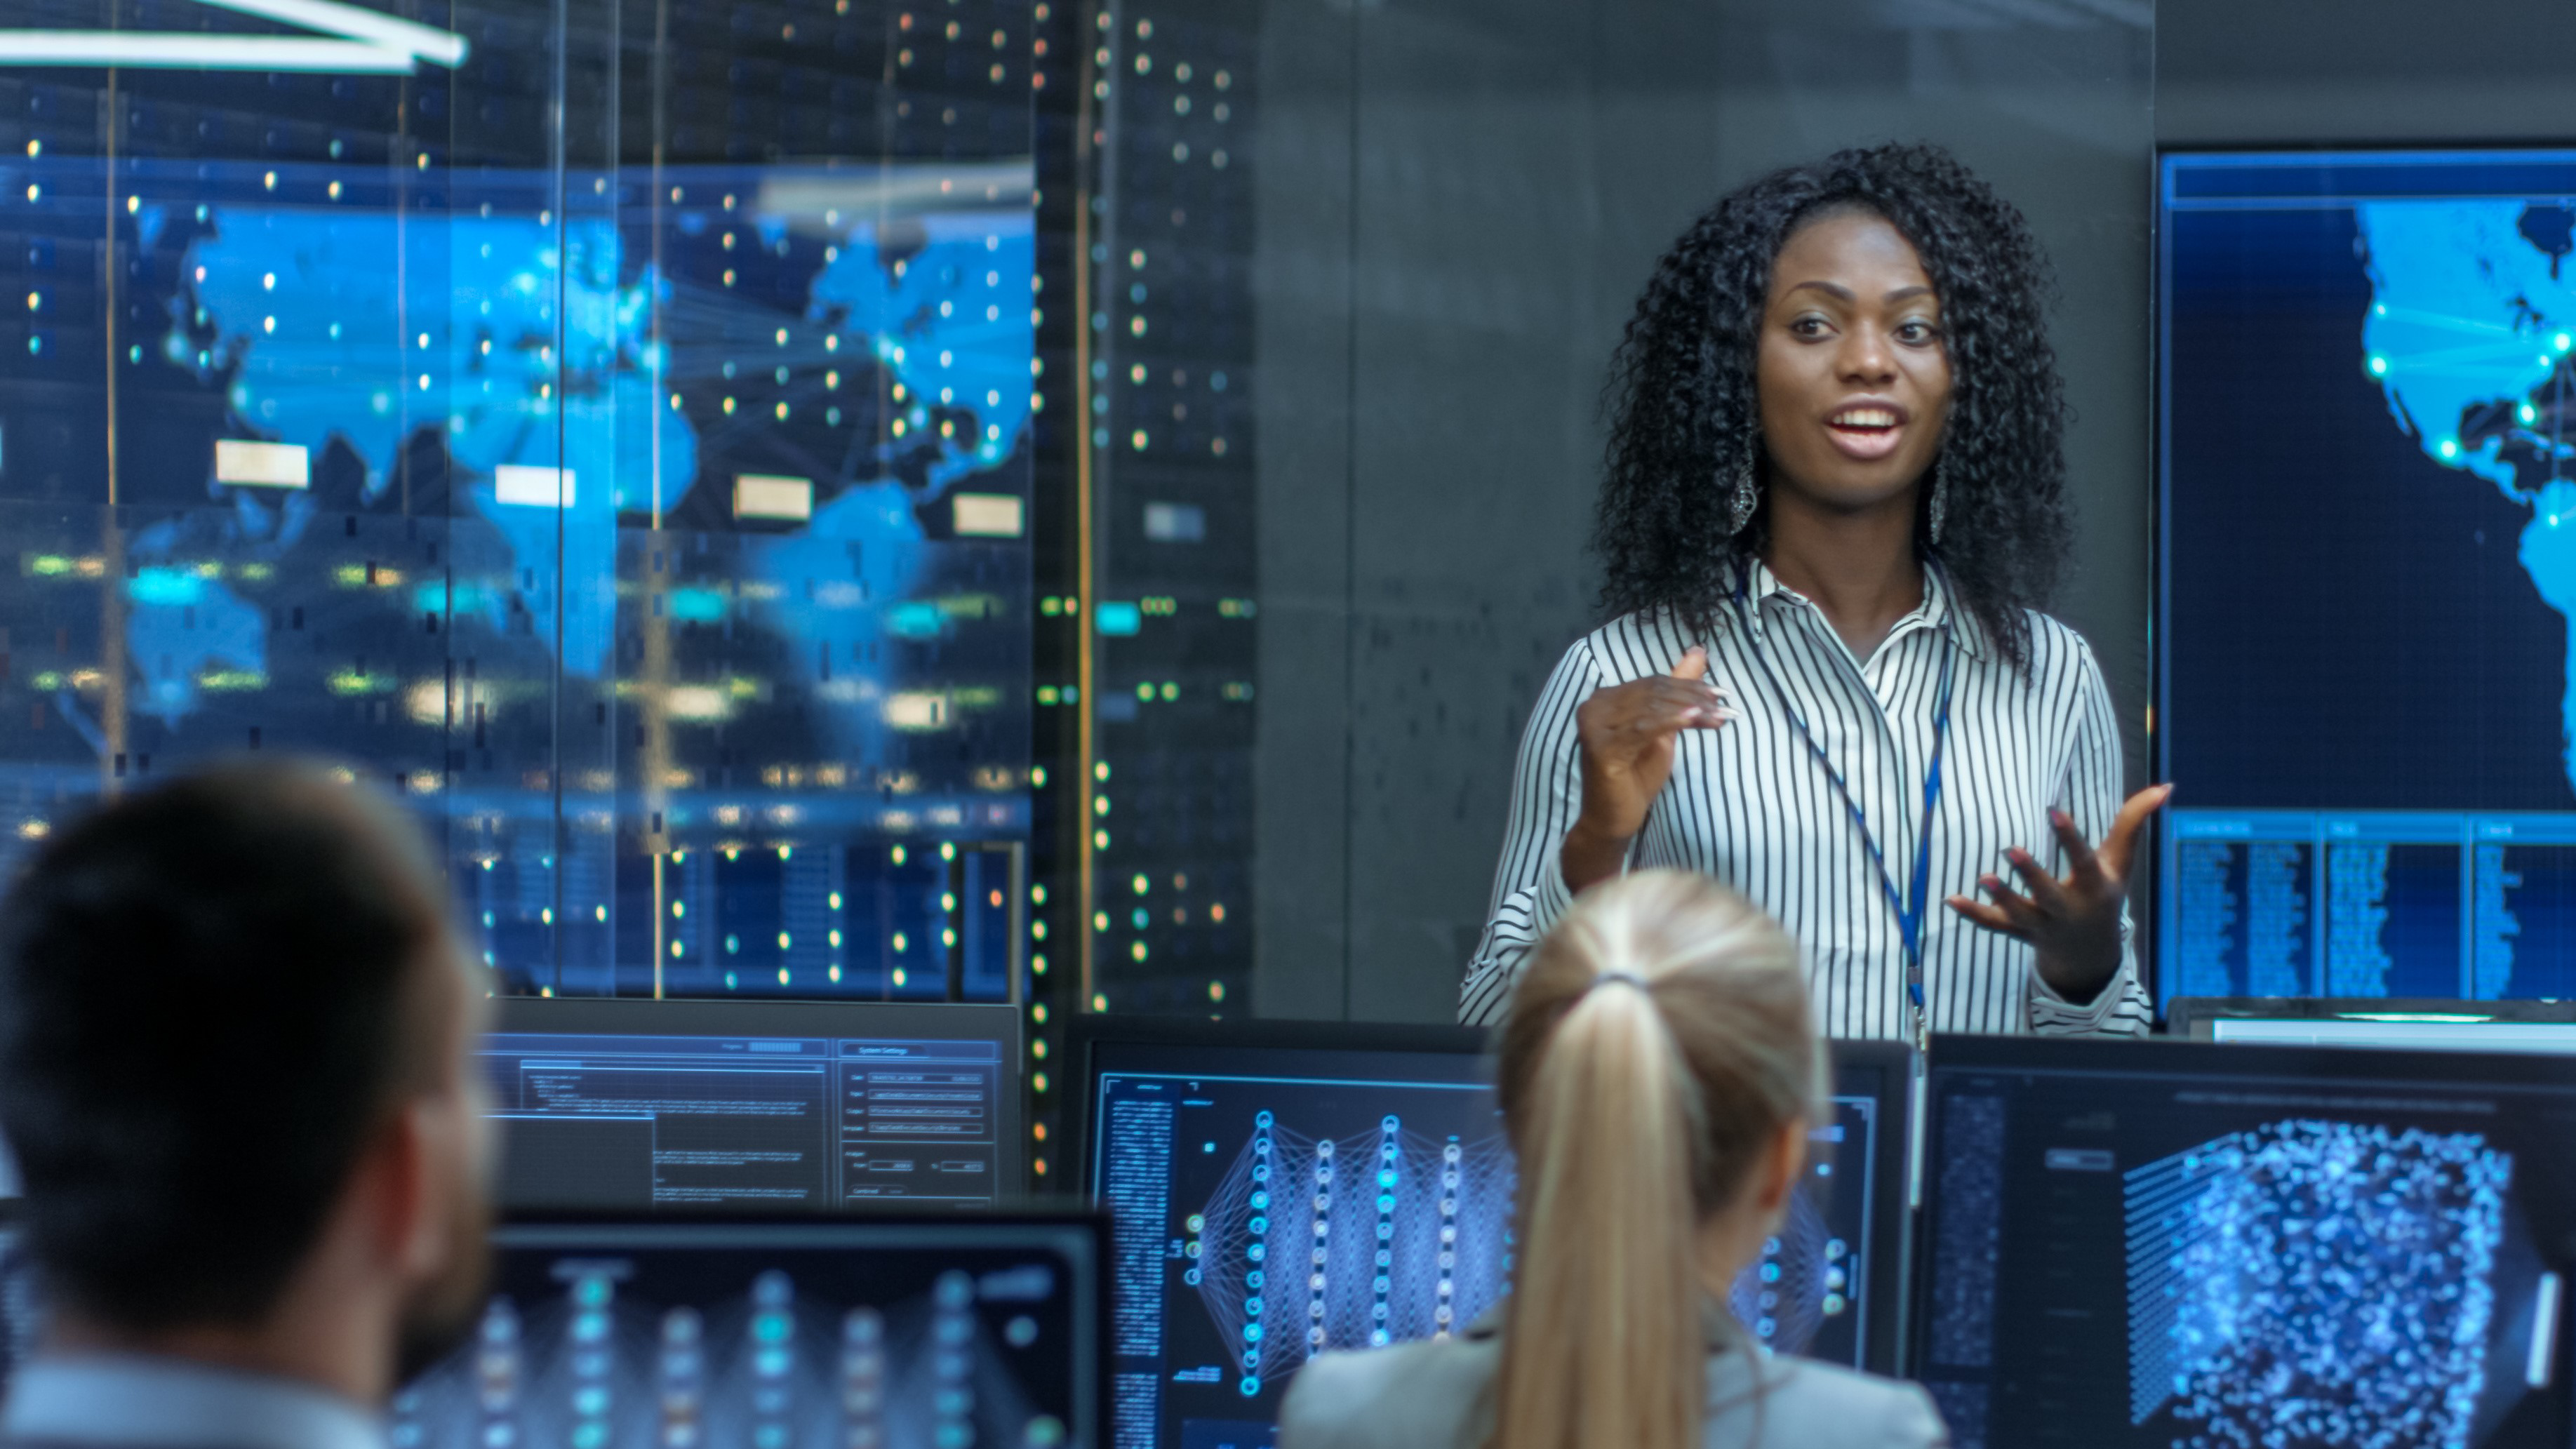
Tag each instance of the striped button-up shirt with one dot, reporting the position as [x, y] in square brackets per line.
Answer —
[1750, 804]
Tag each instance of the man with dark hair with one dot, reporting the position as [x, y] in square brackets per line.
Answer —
[236, 1036]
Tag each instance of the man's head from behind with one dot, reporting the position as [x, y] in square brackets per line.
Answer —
[235, 1037]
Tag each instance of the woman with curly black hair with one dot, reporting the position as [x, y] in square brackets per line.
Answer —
[1835, 503]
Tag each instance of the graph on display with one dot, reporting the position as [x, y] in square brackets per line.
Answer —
[922, 1343]
[1311, 1244]
[601, 515]
[2177, 1255]
[2368, 413]
[2277, 1275]
[1264, 1219]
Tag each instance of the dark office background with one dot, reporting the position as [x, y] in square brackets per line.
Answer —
[1324, 295]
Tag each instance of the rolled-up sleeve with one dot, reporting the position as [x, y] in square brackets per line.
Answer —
[2092, 795]
[1529, 885]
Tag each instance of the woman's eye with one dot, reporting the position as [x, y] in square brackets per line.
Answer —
[1916, 332]
[1807, 326]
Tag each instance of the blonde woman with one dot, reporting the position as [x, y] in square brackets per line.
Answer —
[1660, 1067]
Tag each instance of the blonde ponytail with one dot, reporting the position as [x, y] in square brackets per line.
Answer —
[1660, 1039]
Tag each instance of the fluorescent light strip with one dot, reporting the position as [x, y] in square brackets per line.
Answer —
[199, 52]
[358, 23]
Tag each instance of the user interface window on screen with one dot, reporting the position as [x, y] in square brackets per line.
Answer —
[1270, 1206]
[610, 1121]
[2166, 1257]
[979, 1334]
[2368, 448]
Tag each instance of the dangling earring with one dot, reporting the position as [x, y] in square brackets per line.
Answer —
[1940, 500]
[1745, 494]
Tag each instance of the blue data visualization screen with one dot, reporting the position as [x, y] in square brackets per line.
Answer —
[1272, 1205]
[918, 1333]
[660, 535]
[2367, 564]
[2180, 1245]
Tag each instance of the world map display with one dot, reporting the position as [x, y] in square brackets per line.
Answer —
[319, 342]
[2367, 573]
[2468, 334]
[682, 507]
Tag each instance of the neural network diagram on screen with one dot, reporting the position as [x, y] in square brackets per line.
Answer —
[1266, 1217]
[2367, 696]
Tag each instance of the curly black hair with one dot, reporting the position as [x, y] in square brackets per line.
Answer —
[1683, 412]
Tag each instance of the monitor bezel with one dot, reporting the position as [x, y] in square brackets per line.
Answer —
[1954, 1056]
[1891, 1252]
[1092, 1363]
[1090, 1031]
[838, 1020]
[1891, 1249]
[2194, 1018]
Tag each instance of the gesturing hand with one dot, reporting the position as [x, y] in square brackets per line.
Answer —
[2074, 923]
[1626, 734]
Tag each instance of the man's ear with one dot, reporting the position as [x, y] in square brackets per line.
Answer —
[396, 1181]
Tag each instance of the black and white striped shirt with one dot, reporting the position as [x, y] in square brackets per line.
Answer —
[1749, 804]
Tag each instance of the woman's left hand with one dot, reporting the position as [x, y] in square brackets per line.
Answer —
[2074, 923]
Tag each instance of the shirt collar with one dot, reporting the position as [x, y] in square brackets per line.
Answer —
[1940, 606]
[138, 1402]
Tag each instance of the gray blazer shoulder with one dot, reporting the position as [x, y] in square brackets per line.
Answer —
[1429, 1395]
[1803, 1404]
[1438, 1395]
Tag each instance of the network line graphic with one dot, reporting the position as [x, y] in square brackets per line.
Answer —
[1310, 1244]
[1804, 1276]
[2314, 1282]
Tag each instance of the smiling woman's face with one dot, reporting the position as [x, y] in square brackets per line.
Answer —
[1853, 370]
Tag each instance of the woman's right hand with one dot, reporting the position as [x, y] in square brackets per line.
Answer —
[1625, 734]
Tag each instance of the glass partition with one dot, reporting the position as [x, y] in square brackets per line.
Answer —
[606, 424]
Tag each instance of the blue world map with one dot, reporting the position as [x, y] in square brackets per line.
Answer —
[529, 340]
[2469, 334]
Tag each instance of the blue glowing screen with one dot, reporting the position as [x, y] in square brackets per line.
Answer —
[662, 535]
[1272, 1204]
[2367, 476]
[2241, 1246]
[967, 1332]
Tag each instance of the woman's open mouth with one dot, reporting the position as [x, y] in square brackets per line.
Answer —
[1866, 432]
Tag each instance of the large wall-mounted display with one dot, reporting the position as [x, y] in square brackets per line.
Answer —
[621, 450]
[2368, 562]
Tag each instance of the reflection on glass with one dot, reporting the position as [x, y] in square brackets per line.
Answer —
[660, 530]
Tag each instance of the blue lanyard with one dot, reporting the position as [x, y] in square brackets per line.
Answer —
[1914, 906]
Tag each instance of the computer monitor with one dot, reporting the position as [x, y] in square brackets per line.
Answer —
[1204, 1138]
[2498, 1026]
[2166, 1243]
[611, 1104]
[923, 1331]
[2366, 386]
